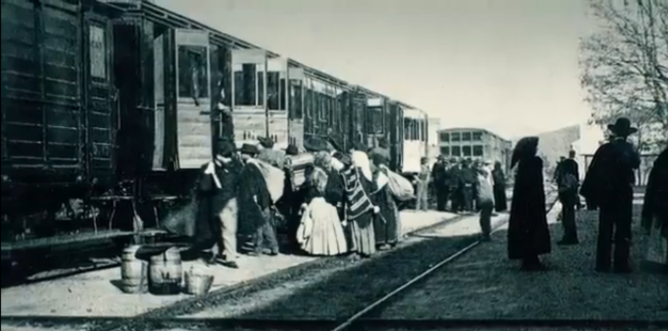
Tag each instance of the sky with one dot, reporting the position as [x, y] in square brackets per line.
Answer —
[510, 66]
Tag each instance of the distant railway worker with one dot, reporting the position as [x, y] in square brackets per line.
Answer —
[255, 204]
[387, 224]
[467, 184]
[423, 185]
[567, 175]
[439, 173]
[528, 232]
[609, 184]
[655, 213]
[268, 154]
[499, 177]
[485, 195]
[455, 187]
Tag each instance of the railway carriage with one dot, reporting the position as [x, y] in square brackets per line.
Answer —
[416, 124]
[84, 111]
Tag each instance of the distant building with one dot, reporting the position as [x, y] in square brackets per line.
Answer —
[433, 148]
[474, 143]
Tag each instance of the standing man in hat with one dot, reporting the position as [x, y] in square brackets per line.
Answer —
[440, 174]
[455, 189]
[255, 204]
[382, 151]
[609, 184]
[567, 176]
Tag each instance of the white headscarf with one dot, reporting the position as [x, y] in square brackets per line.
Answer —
[361, 160]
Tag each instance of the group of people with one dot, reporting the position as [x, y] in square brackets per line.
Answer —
[459, 183]
[608, 185]
[343, 207]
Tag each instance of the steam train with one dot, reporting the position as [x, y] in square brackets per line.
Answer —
[130, 98]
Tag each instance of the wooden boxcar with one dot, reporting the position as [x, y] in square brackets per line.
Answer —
[58, 104]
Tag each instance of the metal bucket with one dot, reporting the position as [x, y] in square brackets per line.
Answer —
[198, 284]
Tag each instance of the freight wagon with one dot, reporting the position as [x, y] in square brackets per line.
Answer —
[59, 105]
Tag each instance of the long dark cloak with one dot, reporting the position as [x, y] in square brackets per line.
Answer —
[656, 194]
[528, 232]
[254, 198]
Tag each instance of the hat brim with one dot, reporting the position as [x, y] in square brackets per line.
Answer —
[614, 130]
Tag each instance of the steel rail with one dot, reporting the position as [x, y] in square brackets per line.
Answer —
[368, 309]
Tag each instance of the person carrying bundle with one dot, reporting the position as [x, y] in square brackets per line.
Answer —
[255, 204]
[386, 224]
[360, 207]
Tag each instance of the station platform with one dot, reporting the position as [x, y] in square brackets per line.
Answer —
[96, 293]
[485, 285]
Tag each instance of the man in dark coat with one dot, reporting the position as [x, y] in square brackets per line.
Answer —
[567, 176]
[609, 184]
[290, 202]
[441, 181]
[528, 232]
[455, 187]
[500, 201]
[255, 204]
[467, 183]
[217, 212]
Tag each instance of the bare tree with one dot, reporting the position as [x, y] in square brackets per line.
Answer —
[625, 66]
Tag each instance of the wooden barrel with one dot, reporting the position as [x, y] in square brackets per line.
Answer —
[134, 272]
[166, 273]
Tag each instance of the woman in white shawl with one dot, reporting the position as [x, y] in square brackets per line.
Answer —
[321, 231]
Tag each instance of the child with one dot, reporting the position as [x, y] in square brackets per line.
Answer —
[485, 192]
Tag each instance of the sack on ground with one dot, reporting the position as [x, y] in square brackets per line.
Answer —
[274, 177]
[400, 187]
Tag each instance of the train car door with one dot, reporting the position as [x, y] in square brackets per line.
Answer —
[278, 101]
[193, 98]
[296, 106]
[249, 95]
[358, 115]
[396, 128]
[102, 112]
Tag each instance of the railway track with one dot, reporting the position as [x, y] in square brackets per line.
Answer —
[165, 320]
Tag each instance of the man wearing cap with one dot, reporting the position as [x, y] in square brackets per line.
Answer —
[291, 201]
[609, 184]
[255, 204]
[567, 176]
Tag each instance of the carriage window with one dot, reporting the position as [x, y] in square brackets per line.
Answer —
[375, 118]
[445, 137]
[193, 72]
[423, 130]
[477, 150]
[466, 150]
[245, 85]
[466, 136]
[275, 90]
[455, 136]
[296, 110]
[445, 151]
[407, 129]
[477, 136]
[98, 52]
[456, 151]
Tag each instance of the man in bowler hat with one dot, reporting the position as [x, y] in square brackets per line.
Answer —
[609, 184]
